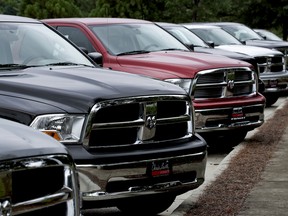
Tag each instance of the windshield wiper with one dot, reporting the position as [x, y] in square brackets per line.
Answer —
[171, 49]
[65, 64]
[134, 52]
[9, 66]
[255, 39]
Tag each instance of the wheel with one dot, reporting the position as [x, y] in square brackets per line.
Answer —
[271, 99]
[234, 138]
[147, 206]
[225, 140]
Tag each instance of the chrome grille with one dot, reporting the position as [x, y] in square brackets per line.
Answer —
[284, 50]
[39, 186]
[139, 120]
[223, 83]
[271, 64]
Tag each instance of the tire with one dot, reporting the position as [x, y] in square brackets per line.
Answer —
[147, 206]
[225, 140]
[234, 138]
[271, 99]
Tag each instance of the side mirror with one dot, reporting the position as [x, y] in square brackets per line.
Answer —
[211, 43]
[97, 58]
[190, 46]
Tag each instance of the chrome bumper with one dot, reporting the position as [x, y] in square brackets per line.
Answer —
[221, 119]
[131, 179]
[275, 82]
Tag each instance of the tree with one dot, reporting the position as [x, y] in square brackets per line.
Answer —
[40, 9]
[9, 6]
[117, 8]
[269, 14]
[265, 14]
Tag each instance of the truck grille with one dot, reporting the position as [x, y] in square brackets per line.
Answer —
[139, 120]
[224, 83]
[272, 64]
[39, 186]
[284, 50]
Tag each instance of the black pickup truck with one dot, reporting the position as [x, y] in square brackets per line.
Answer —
[37, 175]
[132, 137]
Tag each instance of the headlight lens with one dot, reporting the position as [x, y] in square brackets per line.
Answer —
[63, 127]
[183, 83]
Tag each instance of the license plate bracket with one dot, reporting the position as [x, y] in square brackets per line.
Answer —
[237, 114]
[159, 168]
[273, 83]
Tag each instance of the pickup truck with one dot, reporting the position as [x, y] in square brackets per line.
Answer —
[224, 91]
[132, 138]
[37, 174]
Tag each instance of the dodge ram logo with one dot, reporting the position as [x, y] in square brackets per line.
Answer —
[230, 84]
[5, 208]
[230, 79]
[150, 122]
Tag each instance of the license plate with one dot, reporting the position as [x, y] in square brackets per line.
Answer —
[237, 114]
[273, 83]
[159, 168]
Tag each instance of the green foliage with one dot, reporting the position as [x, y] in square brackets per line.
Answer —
[48, 9]
[9, 6]
[121, 8]
[269, 14]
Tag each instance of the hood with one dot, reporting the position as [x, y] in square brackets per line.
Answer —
[268, 43]
[172, 64]
[249, 50]
[18, 141]
[75, 89]
[227, 53]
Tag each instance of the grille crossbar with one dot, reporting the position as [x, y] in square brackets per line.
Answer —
[224, 83]
[139, 120]
[29, 187]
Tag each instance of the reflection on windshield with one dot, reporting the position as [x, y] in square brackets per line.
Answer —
[34, 44]
[242, 33]
[216, 35]
[128, 38]
[186, 36]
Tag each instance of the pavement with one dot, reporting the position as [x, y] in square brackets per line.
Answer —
[268, 197]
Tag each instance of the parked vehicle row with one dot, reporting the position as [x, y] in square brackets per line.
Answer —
[132, 138]
[129, 101]
[224, 91]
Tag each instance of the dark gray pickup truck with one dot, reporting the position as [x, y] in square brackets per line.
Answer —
[132, 138]
[37, 175]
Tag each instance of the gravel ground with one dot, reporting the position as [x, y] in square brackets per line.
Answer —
[228, 192]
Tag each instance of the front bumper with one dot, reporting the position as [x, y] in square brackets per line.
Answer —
[106, 184]
[229, 118]
[275, 82]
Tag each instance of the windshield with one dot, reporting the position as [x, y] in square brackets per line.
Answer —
[216, 35]
[267, 35]
[121, 39]
[34, 44]
[186, 36]
[242, 33]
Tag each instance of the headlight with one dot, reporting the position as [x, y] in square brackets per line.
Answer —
[183, 83]
[63, 127]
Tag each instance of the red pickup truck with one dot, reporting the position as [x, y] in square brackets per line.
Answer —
[224, 91]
